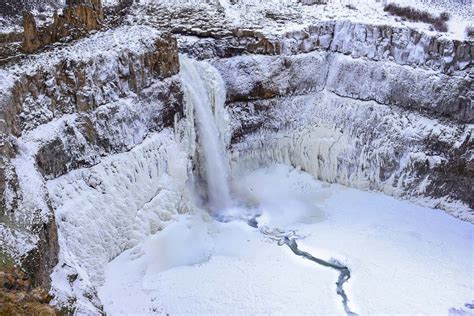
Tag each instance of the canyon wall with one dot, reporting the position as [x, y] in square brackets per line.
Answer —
[417, 136]
[65, 115]
[358, 111]
[95, 155]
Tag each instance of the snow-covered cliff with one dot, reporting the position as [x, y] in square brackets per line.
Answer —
[371, 125]
[69, 109]
[97, 143]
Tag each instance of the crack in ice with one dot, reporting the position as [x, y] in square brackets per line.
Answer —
[290, 238]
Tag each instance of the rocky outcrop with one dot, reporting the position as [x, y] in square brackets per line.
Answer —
[40, 261]
[360, 144]
[78, 18]
[18, 297]
[31, 41]
[82, 141]
[263, 77]
[412, 89]
[209, 32]
[403, 46]
[62, 83]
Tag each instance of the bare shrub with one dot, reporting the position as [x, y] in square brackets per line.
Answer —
[440, 25]
[470, 31]
[14, 8]
[11, 8]
[444, 16]
[415, 15]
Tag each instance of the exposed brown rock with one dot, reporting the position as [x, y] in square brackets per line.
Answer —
[19, 297]
[78, 18]
[7, 174]
[39, 262]
[31, 40]
[79, 86]
[164, 61]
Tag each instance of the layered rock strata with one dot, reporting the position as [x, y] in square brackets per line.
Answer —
[78, 18]
[367, 124]
[68, 109]
[90, 157]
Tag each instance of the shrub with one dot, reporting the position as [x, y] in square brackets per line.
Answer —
[415, 15]
[440, 25]
[11, 8]
[16, 7]
[470, 31]
[444, 16]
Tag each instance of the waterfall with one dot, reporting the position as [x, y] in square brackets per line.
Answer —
[204, 93]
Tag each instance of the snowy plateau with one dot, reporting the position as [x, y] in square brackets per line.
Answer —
[237, 157]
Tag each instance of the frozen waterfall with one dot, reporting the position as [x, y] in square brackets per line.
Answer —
[205, 94]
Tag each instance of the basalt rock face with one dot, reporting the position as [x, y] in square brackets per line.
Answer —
[63, 86]
[89, 157]
[375, 42]
[360, 144]
[370, 106]
[355, 121]
[208, 31]
[71, 108]
[263, 77]
[78, 18]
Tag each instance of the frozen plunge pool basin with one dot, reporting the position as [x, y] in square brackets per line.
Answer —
[403, 258]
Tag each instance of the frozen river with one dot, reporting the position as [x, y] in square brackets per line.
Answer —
[403, 258]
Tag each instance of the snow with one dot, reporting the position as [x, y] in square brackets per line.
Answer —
[103, 210]
[106, 45]
[199, 266]
[275, 16]
[16, 243]
[31, 184]
[404, 259]
[347, 141]
[6, 81]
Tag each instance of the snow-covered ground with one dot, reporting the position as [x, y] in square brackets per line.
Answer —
[288, 13]
[404, 259]
[274, 16]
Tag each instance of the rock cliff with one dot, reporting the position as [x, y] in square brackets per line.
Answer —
[76, 20]
[95, 143]
[68, 109]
